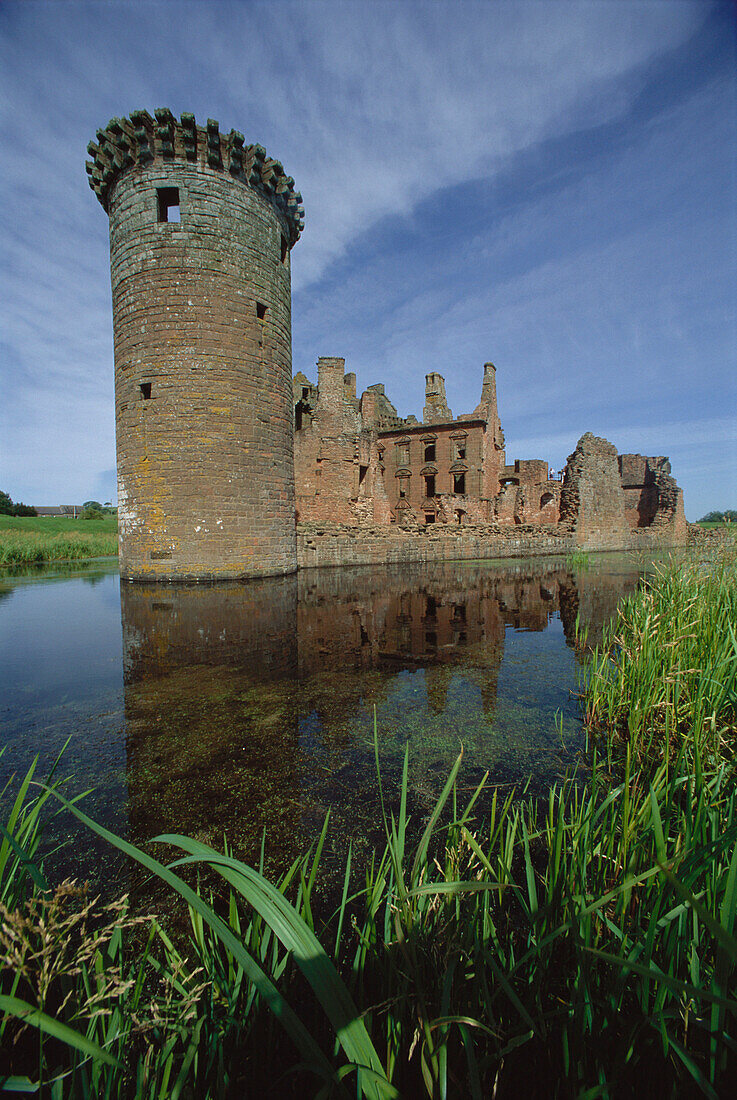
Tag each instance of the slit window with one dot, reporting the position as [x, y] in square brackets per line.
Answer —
[168, 199]
[261, 311]
[284, 250]
[145, 388]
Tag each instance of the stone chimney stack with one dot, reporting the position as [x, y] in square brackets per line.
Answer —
[436, 409]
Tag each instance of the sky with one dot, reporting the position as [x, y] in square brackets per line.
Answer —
[549, 185]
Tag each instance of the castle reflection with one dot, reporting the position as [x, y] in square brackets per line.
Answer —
[252, 705]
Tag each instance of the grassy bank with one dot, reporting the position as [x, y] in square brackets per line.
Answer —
[45, 538]
[579, 945]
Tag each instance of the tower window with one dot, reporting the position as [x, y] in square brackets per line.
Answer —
[284, 249]
[260, 311]
[145, 390]
[168, 200]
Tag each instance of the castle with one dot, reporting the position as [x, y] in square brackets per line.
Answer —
[228, 467]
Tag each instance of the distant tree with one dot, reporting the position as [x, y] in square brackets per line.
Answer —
[7, 508]
[93, 504]
[730, 516]
[91, 513]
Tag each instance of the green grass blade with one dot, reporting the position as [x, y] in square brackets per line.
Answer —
[14, 1006]
[298, 938]
[267, 990]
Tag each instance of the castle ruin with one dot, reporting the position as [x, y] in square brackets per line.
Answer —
[228, 467]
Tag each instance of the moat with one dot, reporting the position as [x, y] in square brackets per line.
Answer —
[227, 709]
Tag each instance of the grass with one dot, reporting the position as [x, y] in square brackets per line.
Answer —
[26, 539]
[581, 945]
[578, 560]
[665, 675]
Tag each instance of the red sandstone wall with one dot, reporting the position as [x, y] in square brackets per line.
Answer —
[203, 387]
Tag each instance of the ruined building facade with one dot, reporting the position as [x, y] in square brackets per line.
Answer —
[228, 467]
[358, 464]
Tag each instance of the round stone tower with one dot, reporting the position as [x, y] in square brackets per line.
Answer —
[201, 227]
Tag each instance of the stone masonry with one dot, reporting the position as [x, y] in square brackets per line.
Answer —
[373, 487]
[230, 468]
[201, 227]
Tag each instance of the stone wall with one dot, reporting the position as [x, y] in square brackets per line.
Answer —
[320, 545]
[338, 463]
[200, 232]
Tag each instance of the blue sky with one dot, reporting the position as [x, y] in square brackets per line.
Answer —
[548, 185]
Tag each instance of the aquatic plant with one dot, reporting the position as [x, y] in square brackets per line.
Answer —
[583, 943]
[665, 676]
[578, 560]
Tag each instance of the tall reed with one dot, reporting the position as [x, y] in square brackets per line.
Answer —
[665, 675]
[583, 944]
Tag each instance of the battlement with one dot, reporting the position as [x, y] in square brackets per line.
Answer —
[142, 141]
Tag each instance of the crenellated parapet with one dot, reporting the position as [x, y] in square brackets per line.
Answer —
[141, 141]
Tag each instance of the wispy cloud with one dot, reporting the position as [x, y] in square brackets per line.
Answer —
[381, 111]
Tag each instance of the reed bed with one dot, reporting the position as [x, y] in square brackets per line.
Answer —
[579, 945]
[24, 547]
[665, 675]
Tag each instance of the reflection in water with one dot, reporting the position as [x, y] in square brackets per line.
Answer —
[252, 705]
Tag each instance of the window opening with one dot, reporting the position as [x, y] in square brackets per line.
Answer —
[459, 483]
[403, 455]
[430, 485]
[431, 607]
[260, 311]
[429, 517]
[402, 489]
[305, 392]
[429, 452]
[362, 471]
[460, 450]
[168, 199]
[284, 249]
[298, 416]
[431, 639]
[459, 612]
[145, 390]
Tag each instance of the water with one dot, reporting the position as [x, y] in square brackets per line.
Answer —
[227, 709]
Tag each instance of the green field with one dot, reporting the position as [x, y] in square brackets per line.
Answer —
[50, 538]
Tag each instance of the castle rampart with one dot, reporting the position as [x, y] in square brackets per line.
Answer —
[228, 467]
[200, 231]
